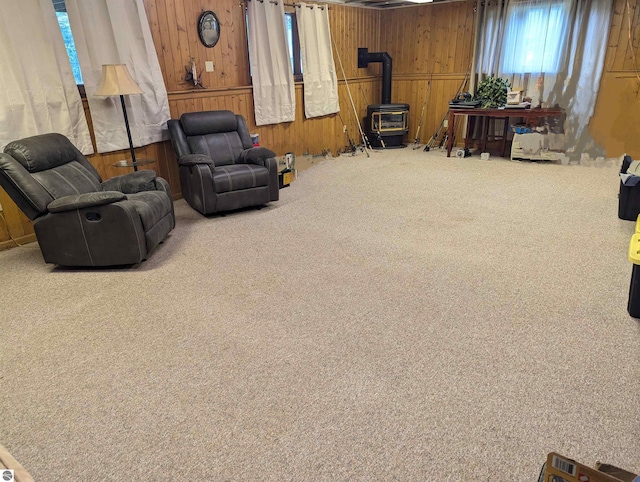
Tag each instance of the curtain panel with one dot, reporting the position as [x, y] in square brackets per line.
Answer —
[320, 79]
[274, 98]
[117, 32]
[551, 49]
[40, 94]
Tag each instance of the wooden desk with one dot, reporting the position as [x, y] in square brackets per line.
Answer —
[529, 116]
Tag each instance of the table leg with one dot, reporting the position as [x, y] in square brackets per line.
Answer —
[504, 135]
[466, 137]
[485, 132]
[450, 133]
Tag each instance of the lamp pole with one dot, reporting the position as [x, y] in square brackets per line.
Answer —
[126, 123]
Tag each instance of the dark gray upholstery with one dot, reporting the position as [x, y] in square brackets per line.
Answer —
[78, 219]
[131, 183]
[89, 199]
[219, 168]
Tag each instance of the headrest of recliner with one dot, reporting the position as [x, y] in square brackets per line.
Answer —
[42, 152]
[210, 122]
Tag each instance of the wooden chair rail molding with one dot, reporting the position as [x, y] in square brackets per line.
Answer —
[430, 76]
[244, 89]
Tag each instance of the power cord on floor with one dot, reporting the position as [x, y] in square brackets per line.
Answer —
[4, 220]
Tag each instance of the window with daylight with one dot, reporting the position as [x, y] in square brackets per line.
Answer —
[293, 42]
[63, 21]
[293, 39]
[535, 36]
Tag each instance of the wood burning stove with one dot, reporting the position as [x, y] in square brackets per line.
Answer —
[386, 123]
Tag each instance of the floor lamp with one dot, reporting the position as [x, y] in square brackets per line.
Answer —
[116, 80]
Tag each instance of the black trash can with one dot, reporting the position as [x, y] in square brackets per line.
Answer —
[629, 197]
[633, 306]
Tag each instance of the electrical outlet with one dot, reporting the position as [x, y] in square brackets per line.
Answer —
[208, 66]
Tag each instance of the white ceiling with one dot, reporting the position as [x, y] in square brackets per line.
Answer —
[385, 4]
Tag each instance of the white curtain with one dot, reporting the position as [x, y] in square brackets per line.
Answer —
[39, 93]
[320, 80]
[274, 95]
[551, 49]
[117, 32]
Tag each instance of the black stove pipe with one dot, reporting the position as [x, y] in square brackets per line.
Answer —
[364, 57]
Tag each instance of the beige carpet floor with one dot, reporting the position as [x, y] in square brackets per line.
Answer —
[402, 317]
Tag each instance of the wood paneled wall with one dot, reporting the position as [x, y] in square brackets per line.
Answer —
[304, 136]
[430, 39]
[15, 227]
[175, 34]
[616, 119]
[431, 47]
[229, 87]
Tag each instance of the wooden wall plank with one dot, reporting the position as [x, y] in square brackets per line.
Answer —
[455, 31]
[633, 40]
[228, 47]
[152, 16]
[617, 109]
[173, 76]
[164, 49]
[614, 33]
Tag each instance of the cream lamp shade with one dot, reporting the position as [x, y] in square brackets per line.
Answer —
[116, 80]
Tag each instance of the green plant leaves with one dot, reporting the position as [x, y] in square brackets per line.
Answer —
[492, 91]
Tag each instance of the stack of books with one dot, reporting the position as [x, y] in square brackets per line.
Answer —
[521, 105]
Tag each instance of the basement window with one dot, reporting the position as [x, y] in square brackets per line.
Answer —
[65, 28]
[293, 39]
[534, 37]
[293, 43]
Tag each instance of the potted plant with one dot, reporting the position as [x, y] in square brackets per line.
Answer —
[492, 91]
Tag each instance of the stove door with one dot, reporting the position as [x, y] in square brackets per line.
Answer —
[389, 121]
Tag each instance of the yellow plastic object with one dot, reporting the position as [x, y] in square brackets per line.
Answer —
[634, 249]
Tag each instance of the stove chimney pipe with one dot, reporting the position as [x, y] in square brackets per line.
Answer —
[364, 57]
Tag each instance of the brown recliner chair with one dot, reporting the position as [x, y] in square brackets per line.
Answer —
[78, 219]
[219, 168]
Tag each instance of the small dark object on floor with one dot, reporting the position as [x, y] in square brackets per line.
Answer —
[629, 196]
[285, 177]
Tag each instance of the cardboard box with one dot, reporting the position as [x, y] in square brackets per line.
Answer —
[563, 469]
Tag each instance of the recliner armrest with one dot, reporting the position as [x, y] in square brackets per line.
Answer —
[132, 182]
[193, 159]
[79, 201]
[257, 155]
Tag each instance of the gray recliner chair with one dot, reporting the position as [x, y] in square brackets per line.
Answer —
[219, 168]
[78, 219]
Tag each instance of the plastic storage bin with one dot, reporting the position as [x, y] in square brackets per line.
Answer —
[633, 306]
[629, 197]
